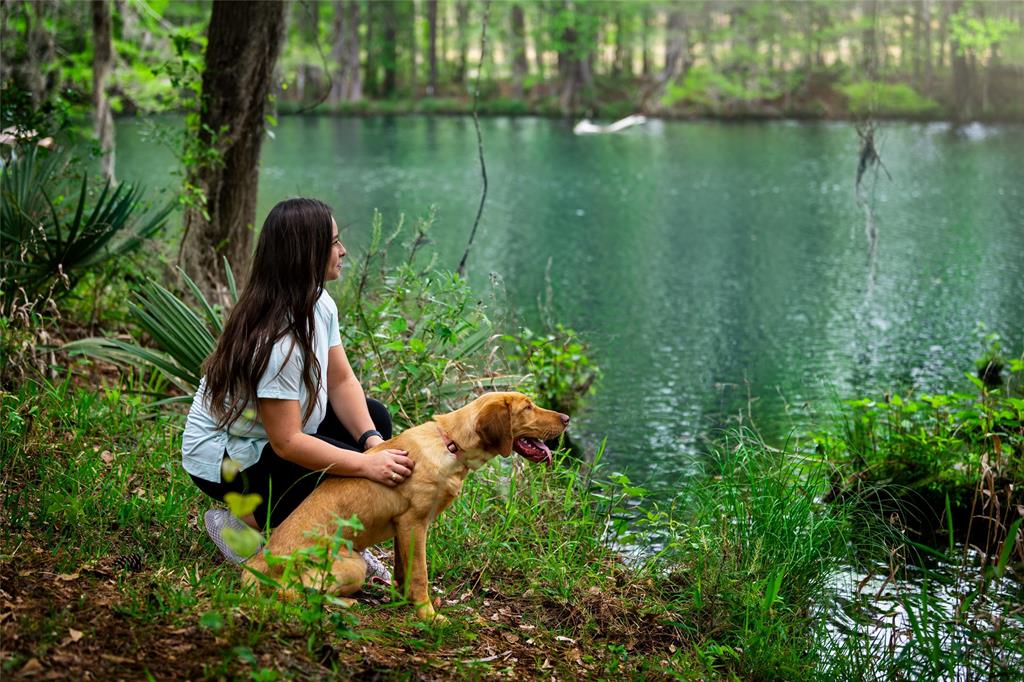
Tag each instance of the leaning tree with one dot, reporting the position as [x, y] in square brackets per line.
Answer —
[243, 43]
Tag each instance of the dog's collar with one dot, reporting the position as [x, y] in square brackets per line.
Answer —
[451, 445]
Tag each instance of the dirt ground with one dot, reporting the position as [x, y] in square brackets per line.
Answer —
[101, 622]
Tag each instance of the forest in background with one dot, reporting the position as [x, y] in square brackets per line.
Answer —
[961, 60]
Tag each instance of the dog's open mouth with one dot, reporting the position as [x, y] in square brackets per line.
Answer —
[532, 449]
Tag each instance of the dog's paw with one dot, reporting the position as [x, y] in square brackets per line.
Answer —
[427, 614]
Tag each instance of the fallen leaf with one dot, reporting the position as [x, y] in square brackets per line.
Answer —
[560, 638]
[546, 664]
[67, 577]
[116, 659]
[511, 638]
[107, 457]
[75, 634]
[33, 666]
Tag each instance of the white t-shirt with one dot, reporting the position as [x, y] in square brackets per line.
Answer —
[203, 444]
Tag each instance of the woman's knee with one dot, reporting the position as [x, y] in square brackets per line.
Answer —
[381, 417]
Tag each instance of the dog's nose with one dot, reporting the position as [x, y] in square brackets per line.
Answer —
[564, 418]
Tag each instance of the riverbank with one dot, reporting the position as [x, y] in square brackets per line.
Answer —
[821, 101]
[107, 571]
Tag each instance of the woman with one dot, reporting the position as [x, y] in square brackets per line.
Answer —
[279, 403]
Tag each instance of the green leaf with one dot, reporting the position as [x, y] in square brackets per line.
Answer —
[242, 504]
[212, 620]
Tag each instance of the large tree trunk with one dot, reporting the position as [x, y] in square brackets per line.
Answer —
[520, 66]
[622, 63]
[370, 84]
[676, 54]
[32, 74]
[432, 46]
[102, 63]
[413, 51]
[926, 18]
[389, 48]
[346, 85]
[962, 96]
[645, 41]
[462, 36]
[869, 40]
[243, 42]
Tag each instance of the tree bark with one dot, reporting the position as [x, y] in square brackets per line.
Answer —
[243, 43]
[926, 18]
[370, 84]
[413, 51]
[432, 46]
[40, 52]
[462, 19]
[520, 66]
[676, 54]
[961, 77]
[389, 48]
[645, 41]
[102, 64]
[622, 64]
[869, 61]
[346, 85]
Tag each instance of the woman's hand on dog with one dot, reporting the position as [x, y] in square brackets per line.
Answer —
[388, 467]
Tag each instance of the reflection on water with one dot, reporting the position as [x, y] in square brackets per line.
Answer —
[715, 268]
[935, 612]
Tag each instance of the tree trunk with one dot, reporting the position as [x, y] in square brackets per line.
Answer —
[622, 64]
[462, 36]
[413, 51]
[926, 12]
[570, 68]
[40, 51]
[102, 63]
[645, 41]
[676, 54]
[389, 48]
[346, 85]
[520, 67]
[432, 46]
[370, 66]
[243, 42]
[869, 60]
[961, 77]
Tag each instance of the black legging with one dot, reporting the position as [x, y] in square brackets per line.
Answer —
[283, 485]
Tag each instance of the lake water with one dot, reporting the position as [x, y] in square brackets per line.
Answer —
[716, 269]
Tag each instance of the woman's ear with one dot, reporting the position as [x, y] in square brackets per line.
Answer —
[494, 427]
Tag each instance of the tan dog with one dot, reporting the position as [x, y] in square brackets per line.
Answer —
[445, 450]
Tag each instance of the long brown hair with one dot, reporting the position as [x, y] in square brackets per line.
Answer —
[285, 281]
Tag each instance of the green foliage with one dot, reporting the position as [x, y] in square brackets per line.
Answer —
[561, 374]
[747, 554]
[51, 231]
[887, 99]
[418, 338]
[184, 337]
[979, 35]
[707, 87]
[940, 442]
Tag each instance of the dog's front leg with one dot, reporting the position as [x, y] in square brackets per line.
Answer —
[411, 548]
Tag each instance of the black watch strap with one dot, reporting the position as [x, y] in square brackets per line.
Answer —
[366, 436]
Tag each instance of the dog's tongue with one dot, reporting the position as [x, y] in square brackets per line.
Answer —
[532, 449]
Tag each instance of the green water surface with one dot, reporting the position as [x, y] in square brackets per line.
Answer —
[717, 269]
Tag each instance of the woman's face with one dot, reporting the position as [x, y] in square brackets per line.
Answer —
[337, 253]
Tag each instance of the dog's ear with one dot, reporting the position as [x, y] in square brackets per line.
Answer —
[494, 427]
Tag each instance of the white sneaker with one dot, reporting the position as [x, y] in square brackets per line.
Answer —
[375, 568]
[216, 520]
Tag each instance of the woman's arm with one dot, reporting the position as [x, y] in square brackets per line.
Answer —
[347, 396]
[283, 424]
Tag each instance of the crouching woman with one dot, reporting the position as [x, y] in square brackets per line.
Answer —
[279, 407]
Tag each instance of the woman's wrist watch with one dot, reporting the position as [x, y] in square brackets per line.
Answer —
[366, 436]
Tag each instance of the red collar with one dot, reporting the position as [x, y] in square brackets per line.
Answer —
[451, 445]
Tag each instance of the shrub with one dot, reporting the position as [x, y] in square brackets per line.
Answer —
[892, 99]
[52, 232]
